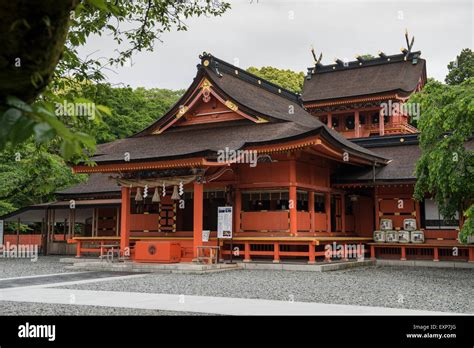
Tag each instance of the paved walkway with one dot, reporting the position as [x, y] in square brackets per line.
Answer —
[30, 289]
[59, 278]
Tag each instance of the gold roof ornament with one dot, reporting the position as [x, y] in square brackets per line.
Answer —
[182, 111]
[231, 105]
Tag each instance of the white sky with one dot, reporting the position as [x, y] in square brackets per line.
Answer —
[280, 33]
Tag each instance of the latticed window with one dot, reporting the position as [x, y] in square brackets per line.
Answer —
[267, 200]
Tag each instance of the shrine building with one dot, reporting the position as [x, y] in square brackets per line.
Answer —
[333, 165]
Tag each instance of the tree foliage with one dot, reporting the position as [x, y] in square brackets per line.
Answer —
[445, 169]
[32, 173]
[44, 40]
[132, 110]
[288, 79]
[462, 68]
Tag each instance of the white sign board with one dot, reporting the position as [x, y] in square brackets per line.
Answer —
[1, 231]
[224, 222]
[205, 235]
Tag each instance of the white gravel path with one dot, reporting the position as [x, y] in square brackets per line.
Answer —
[444, 290]
[431, 289]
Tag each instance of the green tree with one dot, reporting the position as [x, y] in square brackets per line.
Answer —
[445, 169]
[39, 57]
[30, 175]
[462, 68]
[132, 110]
[288, 79]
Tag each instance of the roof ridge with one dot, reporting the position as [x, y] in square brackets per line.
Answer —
[363, 63]
[218, 65]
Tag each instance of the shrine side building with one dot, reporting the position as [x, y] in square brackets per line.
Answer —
[328, 167]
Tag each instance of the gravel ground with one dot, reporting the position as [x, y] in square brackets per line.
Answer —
[41, 309]
[446, 290]
[25, 267]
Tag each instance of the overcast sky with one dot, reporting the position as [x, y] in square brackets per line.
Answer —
[280, 33]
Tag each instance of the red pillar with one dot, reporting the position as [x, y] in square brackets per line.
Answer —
[404, 254]
[357, 124]
[125, 222]
[293, 200]
[328, 211]
[197, 216]
[381, 123]
[237, 210]
[329, 120]
[312, 222]
[436, 254]
[471, 254]
[247, 252]
[276, 252]
[372, 252]
[293, 212]
[311, 253]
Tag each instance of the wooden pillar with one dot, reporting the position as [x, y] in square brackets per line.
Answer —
[329, 120]
[343, 213]
[247, 252]
[237, 211]
[198, 201]
[381, 123]
[293, 199]
[372, 252]
[78, 248]
[357, 124]
[471, 254]
[328, 211]
[276, 252]
[312, 222]
[125, 222]
[311, 253]
[436, 254]
[404, 254]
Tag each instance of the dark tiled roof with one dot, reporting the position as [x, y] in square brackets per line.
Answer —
[97, 183]
[377, 76]
[287, 119]
[401, 167]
